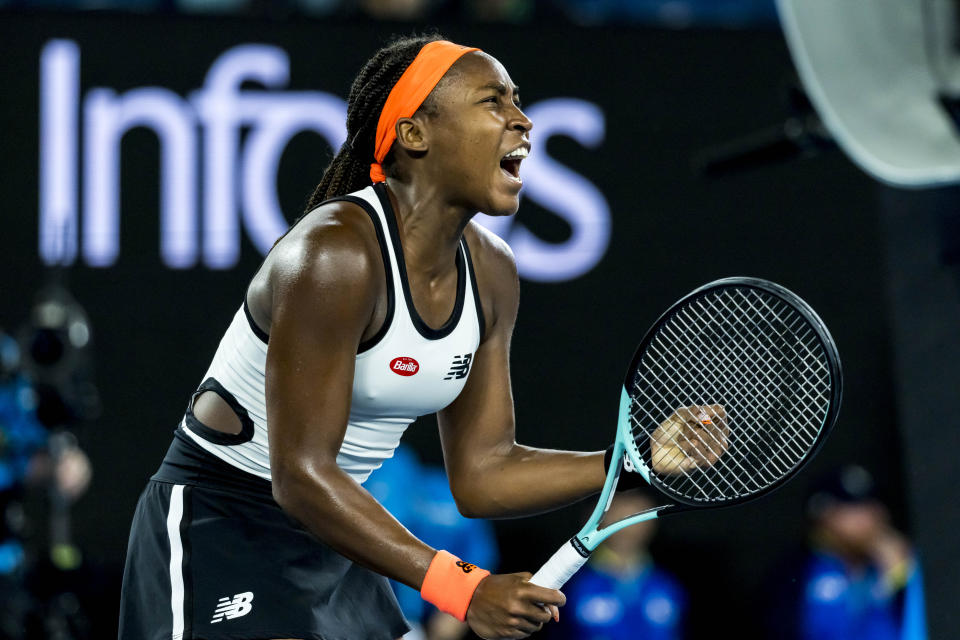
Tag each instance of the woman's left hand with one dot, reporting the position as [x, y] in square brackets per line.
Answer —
[692, 437]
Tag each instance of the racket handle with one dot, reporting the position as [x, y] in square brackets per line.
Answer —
[560, 567]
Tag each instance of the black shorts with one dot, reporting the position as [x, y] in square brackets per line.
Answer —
[212, 556]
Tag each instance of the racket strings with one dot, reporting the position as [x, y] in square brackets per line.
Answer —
[718, 375]
[760, 350]
[757, 357]
[752, 351]
[756, 387]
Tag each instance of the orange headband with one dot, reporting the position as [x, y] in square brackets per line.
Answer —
[413, 87]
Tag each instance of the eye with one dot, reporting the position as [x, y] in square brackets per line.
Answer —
[491, 99]
[518, 102]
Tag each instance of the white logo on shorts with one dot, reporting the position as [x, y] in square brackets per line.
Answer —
[230, 609]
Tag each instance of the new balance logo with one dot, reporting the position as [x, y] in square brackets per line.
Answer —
[230, 609]
[466, 566]
[460, 367]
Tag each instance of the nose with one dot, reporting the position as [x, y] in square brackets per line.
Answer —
[520, 121]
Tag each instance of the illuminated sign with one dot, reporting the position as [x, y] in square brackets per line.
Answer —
[215, 186]
[560, 190]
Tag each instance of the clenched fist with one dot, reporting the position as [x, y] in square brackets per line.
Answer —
[692, 437]
[510, 606]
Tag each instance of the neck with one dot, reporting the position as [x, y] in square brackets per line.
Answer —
[430, 227]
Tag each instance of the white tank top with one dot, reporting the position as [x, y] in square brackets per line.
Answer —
[404, 371]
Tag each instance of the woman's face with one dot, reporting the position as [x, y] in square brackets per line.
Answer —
[477, 123]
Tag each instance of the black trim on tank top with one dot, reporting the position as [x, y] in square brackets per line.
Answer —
[212, 435]
[422, 327]
[373, 340]
[476, 290]
[257, 331]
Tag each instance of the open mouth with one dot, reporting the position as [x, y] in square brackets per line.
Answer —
[510, 163]
[511, 166]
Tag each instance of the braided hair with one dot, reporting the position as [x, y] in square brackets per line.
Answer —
[350, 168]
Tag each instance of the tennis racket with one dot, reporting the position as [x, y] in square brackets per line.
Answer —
[731, 392]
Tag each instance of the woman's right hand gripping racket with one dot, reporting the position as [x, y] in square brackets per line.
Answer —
[729, 394]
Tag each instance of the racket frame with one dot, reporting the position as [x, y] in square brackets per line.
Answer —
[625, 449]
[643, 462]
[571, 556]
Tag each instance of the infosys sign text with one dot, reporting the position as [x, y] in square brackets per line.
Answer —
[216, 184]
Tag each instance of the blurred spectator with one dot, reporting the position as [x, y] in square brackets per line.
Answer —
[397, 9]
[859, 579]
[94, 5]
[318, 8]
[213, 6]
[419, 497]
[672, 13]
[667, 13]
[24, 462]
[500, 10]
[620, 594]
[22, 438]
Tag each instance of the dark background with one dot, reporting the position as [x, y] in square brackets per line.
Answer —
[815, 225]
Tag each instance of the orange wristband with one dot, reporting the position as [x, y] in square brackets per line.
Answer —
[450, 583]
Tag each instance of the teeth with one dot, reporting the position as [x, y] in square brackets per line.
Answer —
[517, 153]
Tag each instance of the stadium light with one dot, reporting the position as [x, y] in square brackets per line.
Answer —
[884, 76]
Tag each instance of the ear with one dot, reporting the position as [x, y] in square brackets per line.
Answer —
[412, 135]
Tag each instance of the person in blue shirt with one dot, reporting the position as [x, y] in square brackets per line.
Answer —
[620, 593]
[419, 497]
[860, 578]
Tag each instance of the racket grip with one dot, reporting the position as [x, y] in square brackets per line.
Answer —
[561, 566]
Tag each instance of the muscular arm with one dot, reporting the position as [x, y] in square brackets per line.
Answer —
[323, 297]
[492, 476]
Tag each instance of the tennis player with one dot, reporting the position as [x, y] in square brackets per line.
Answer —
[382, 303]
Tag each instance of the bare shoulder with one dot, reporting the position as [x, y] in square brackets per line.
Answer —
[497, 278]
[491, 253]
[332, 250]
[337, 234]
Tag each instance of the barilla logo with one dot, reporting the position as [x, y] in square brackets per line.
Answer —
[404, 366]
